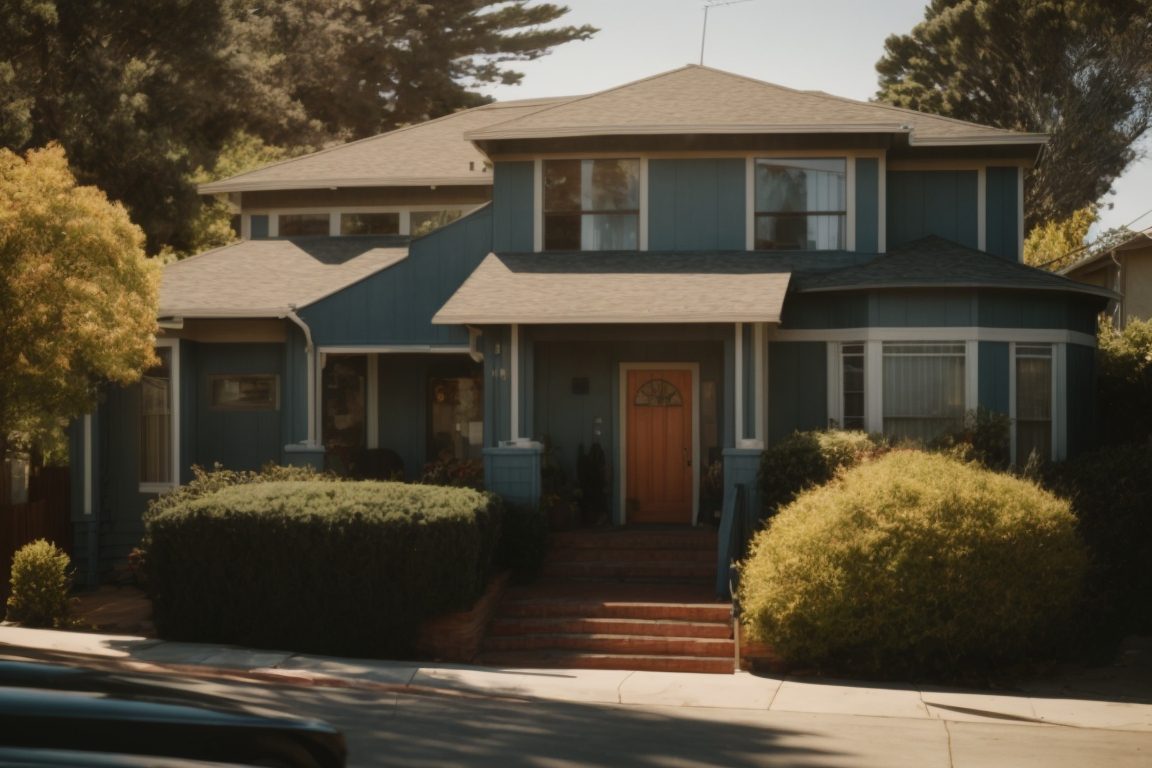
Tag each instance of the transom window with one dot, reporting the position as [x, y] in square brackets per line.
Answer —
[923, 389]
[591, 205]
[801, 204]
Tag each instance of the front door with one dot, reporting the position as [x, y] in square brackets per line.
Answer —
[659, 446]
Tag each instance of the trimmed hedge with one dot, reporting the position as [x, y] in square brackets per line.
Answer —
[41, 580]
[340, 568]
[914, 564]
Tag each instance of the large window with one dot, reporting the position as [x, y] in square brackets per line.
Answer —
[801, 203]
[387, 223]
[303, 224]
[456, 416]
[591, 205]
[344, 402]
[923, 389]
[156, 416]
[1033, 402]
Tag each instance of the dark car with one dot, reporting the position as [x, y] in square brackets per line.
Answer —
[64, 708]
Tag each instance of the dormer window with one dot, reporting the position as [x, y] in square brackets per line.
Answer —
[801, 204]
[591, 205]
[303, 224]
[370, 223]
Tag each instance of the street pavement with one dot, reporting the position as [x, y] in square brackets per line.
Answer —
[407, 713]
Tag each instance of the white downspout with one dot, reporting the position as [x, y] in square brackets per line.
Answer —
[310, 356]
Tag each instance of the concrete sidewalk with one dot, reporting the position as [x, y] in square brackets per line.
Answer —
[740, 691]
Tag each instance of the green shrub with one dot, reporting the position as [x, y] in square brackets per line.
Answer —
[985, 437]
[1124, 382]
[523, 541]
[1111, 493]
[807, 459]
[914, 564]
[41, 580]
[347, 568]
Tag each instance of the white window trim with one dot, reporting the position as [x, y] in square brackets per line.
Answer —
[174, 384]
[622, 437]
[835, 350]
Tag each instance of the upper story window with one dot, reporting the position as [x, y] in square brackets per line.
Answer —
[370, 223]
[423, 222]
[303, 224]
[591, 205]
[801, 203]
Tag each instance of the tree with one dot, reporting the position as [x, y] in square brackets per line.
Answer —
[142, 93]
[1080, 70]
[1054, 245]
[78, 297]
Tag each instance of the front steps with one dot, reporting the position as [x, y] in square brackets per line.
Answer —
[618, 599]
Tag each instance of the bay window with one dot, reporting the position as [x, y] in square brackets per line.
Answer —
[1033, 403]
[923, 389]
[801, 203]
[591, 205]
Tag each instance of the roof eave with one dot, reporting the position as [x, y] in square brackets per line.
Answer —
[224, 187]
[1084, 288]
[440, 319]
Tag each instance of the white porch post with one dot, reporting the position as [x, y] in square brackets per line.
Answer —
[514, 384]
[739, 388]
[758, 360]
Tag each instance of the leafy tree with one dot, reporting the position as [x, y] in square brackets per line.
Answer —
[1080, 70]
[77, 295]
[1054, 245]
[142, 94]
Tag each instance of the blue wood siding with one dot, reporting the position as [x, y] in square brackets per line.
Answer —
[696, 205]
[1081, 394]
[797, 388]
[117, 482]
[922, 203]
[867, 204]
[396, 306]
[294, 388]
[236, 439]
[839, 310]
[497, 380]
[512, 206]
[1002, 213]
[1005, 309]
[993, 370]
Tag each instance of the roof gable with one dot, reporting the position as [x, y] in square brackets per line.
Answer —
[698, 99]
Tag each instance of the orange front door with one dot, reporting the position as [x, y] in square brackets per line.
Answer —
[659, 446]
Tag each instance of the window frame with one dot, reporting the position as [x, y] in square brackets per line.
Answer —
[152, 486]
[1014, 355]
[847, 217]
[641, 211]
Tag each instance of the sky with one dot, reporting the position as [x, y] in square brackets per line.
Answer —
[827, 45]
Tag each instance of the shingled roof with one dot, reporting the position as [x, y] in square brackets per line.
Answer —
[933, 262]
[269, 278]
[628, 287]
[697, 99]
[425, 154]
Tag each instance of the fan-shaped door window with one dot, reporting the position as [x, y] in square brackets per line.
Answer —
[658, 393]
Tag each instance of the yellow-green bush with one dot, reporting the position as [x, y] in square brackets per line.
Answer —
[41, 580]
[914, 564]
[806, 459]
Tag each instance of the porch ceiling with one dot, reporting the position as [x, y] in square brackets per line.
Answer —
[618, 287]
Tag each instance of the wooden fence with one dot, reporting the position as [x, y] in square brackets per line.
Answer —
[47, 515]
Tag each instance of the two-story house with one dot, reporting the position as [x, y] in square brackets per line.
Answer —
[682, 270]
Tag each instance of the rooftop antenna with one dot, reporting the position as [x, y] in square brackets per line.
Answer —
[708, 5]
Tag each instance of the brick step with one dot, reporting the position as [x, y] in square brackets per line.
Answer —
[613, 644]
[624, 570]
[639, 662]
[716, 630]
[544, 608]
[614, 538]
[587, 554]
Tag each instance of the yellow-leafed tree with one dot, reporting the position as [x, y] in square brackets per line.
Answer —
[78, 296]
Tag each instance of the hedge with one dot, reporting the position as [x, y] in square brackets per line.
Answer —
[915, 564]
[807, 459]
[339, 568]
